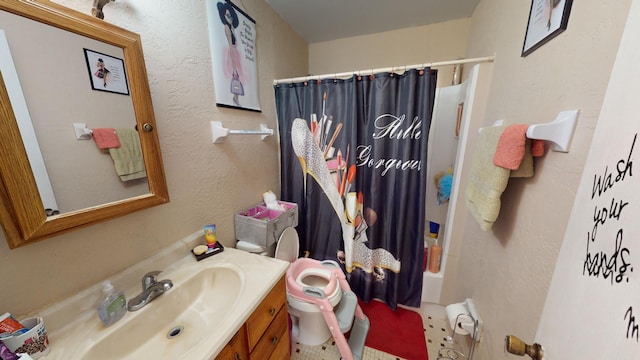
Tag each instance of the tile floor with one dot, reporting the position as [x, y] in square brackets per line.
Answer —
[436, 330]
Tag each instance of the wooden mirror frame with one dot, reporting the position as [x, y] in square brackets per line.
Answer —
[21, 211]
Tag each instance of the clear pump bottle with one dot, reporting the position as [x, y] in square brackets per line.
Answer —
[113, 305]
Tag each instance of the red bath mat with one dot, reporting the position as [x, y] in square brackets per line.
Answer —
[398, 332]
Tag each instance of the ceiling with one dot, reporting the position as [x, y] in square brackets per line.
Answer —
[325, 20]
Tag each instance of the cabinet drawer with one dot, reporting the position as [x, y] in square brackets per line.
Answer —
[275, 335]
[236, 349]
[283, 348]
[260, 320]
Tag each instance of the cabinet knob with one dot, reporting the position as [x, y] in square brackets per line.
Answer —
[236, 356]
[272, 311]
[147, 127]
[274, 340]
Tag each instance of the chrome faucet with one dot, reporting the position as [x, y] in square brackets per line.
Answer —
[149, 279]
[151, 289]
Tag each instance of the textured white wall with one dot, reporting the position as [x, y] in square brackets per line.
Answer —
[207, 182]
[410, 46]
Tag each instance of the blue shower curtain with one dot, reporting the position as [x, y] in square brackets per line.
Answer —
[353, 157]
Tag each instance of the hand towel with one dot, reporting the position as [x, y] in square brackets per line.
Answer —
[525, 169]
[537, 147]
[487, 181]
[127, 159]
[511, 147]
[106, 138]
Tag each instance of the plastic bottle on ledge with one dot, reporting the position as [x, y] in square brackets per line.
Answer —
[425, 256]
[113, 305]
[434, 257]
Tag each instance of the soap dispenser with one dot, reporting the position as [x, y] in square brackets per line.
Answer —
[113, 305]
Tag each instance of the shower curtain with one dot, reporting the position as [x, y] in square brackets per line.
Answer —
[353, 157]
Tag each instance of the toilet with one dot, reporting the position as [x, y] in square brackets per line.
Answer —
[321, 303]
[312, 286]
[308, 281]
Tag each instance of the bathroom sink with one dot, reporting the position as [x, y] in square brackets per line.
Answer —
[209, 301]
[172, 324]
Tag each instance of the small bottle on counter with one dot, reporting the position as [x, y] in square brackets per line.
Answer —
[113, 305]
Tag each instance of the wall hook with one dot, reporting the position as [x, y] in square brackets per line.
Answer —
[219, 133]
[559, 132]
[96, 10]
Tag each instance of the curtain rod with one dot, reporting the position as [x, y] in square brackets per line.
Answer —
[389, 69]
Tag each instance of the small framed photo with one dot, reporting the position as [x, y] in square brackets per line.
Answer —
[547, 19]
[106, 73]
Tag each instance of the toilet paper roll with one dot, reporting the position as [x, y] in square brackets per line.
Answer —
[458, 312]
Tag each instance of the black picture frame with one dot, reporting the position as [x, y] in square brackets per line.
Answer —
[106, 73]
[547, 19]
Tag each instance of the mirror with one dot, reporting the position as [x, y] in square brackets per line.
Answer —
[23, 198]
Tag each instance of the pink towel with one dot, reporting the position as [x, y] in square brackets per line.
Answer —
[106, 138]
[510, 150]
[537, 147]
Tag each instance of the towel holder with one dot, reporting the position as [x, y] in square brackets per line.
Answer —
[559, 132]
[219, 133]
[82, 132]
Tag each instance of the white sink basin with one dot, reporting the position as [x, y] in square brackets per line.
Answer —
[208, 303]
[173, 323]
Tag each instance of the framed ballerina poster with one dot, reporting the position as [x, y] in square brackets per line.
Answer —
[547, 19]
[107, 73]
[232, 37]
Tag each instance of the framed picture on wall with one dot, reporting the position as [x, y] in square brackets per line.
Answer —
[106, 73]
[232, 38]
[547, 19]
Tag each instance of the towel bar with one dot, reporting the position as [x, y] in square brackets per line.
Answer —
[559, 132]
[81, 131]
[219, 133]
[84, 133]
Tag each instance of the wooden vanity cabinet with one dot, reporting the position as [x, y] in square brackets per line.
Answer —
[236, 349]
[265, 335]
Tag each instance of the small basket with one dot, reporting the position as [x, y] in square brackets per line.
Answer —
[33, 342]
[262, 226]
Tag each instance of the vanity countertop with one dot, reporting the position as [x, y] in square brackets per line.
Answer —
[74, 337]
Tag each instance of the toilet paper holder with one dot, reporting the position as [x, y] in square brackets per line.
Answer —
[467, 321]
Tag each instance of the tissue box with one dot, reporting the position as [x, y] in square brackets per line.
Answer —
[262, 226]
